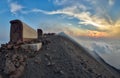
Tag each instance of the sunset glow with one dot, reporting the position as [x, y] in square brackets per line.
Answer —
[96, 34]
[92, 18]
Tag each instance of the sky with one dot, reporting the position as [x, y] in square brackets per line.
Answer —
[93, 18]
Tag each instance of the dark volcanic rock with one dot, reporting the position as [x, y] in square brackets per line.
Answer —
[64, 59]
[58, 58]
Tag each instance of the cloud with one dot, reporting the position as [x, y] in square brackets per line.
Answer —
[60, 2]
[9, 1]
[15, 7]
[106, 49]
[39, 10]
[111, 2]
[95, 16]
[73, 31]
[101, 47]
[68, 28]
[97, 2]
[84, 17]
[114, 31]
[92, 28]
[104, 25]
[92, 1]
[66, 2]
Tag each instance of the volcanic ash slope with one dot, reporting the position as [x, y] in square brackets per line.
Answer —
[62, 58]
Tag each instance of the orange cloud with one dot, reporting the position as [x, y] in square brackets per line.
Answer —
[97, 34]
[86, 18]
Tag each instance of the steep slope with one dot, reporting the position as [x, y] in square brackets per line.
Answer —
[93, 54]
[60, 57]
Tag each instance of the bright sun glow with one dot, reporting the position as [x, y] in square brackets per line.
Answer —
[96, 34]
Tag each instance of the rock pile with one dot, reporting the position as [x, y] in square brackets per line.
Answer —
[12, 61]
[13, 57]
[14, 65]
